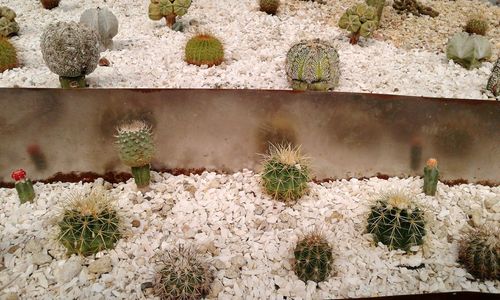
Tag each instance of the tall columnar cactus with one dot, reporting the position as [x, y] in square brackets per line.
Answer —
[136, 149]
[102, 21]
[50, 4]
[360, 20]
[269, 6]
[204, 49]
[414, 7]
[71, 51]
[24, 186]
[183, 275]
[89, 224]
[494, 81]
[313, 65]
[396, 222]
[476, 25]
[468, 50]
[379, 8]
[8, 24]
[431, 177]
[168, 9]
[313, 258]
[8, 55]
[479, 252]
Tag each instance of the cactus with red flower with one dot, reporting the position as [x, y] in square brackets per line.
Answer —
[24, 186]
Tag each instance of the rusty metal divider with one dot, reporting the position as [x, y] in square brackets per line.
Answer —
[345, 134]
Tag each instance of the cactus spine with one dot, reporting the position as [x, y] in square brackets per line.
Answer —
[313, 258]
[24, 186]
[431, 176]
[8, 55]
[204, 49]
[269, 6]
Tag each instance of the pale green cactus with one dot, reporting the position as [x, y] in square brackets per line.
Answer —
[360, 20]
[168, 9]
[468, 50]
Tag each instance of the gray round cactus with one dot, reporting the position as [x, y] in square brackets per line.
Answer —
[71, 51]
[494, 81]
[104, 22]
[8, 24]
[313, 65]
[467, 50]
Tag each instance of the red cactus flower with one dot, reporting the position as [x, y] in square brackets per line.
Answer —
[18, 175]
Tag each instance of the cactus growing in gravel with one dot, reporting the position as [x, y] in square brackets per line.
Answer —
[313, 65]
[379, 8]
[468, 50]
[89, 224]
[286, 173]
[104, 22]
[71, 51]
[136, 149]
[479, 252]
[24, 186]
[184, 275]
[269, 6]
[431, 176]
[313, 258]
[414, 7]
[204, 49]
[476, 25]
[50, 4]
[360, 20]
[494, 81]
[396, 222]
[8, 24]
[168, 9]
[8, 55]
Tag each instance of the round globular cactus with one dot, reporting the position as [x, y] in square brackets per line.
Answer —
[360, 20]
[313, 258]
[8, 55]
[136, 149]
[479, 252]
[89, 224]
[396, 222]
[168, 9]
[8, 24]
[204, 49]
[50, 4]
[104, 22]
[286, 173]
[313, 65]
[468, 50]
[476, 25]
[269, 6]
[183, 275]
[71, 51]
[493, 84]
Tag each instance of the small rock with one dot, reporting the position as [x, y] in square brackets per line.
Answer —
[41, 258]
[104, 62]
[69, 270]
[13, 249]
[259, 210]
[10, 296]
[100, 266]
[217, 287]
[238, 261]
[136, 223]
[218, 264]
[33, 246]
[146, 285]
[232, 273]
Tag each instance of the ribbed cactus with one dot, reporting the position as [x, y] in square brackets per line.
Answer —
[24, 186]
[136, 149]
[313, 65]
[50, 4]
[396, 222]
[494, 81]
[476, 25]
[468, 50]
[479, 252]
[431, 177]
[414, 7]
[8, 55]
[204, 49]
[361, 20]
[379, 8]
[184, 275]
[286, 173]
[168, 9]
[8, 24]
[313, 258]
[89, 224]
[269, 6]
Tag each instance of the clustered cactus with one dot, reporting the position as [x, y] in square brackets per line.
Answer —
[431, 177]
[168, 9]
[89, 224]
[313, 65]
[360, 20]
[476, 25]
[269, 6]
[494, 81]
[50, 4]
[379, 8]
[204, 49]
[183, 275]
[313, 258]
[468, 50]
[396, 222]
[8, 55]
[414, 7]
[24, 186]
[8, 24]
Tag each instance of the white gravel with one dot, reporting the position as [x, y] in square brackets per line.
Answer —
[248, 237]
[147, 54]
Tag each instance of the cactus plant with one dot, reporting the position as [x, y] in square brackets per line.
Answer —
[50, 4]
[468, 50]
[313, 258]
[379, 8]
[89, 224]
[313, 65]
[104, 22]
[494, 81]
[24, 186]
[396, 222]
[204, 49]
[477, 25]
[360, 20]
[136, 149]
[479, 252]
[414, 7]
[71, 51]
[8, 55]
[269, 6]
[183, 275]
[8, 24]
[286, 173]
[168, 9]
[431, 176]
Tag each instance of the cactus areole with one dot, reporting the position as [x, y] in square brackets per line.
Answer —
[168, 9]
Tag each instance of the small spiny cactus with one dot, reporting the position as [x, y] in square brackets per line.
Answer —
[494, 81]
[476, 25]
[396, 222]
[168, 9]
[24, 186]
[50, 4]
[89, 224]
[184, 275]
[269, 6]
[313, 258]
[8, 55]
[8, 24]
[360, 20]
[431, 177]
[204, 49]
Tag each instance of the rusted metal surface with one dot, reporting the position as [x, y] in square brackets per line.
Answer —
[46, 131]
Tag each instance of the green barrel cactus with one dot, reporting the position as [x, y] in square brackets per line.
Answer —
[269, 6]
[468, 50]
[136, 149]
[168, 9]
[313, 65]
[431, 177]
[476, 25]
[183, 275]
[89, 224]
[494, 81]
[361, 20]
[8, 55]
[286, 173]
[313, 258]
[24, 186]
[396, 222]
[479, 252]
[8, 24]
[204, 49]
